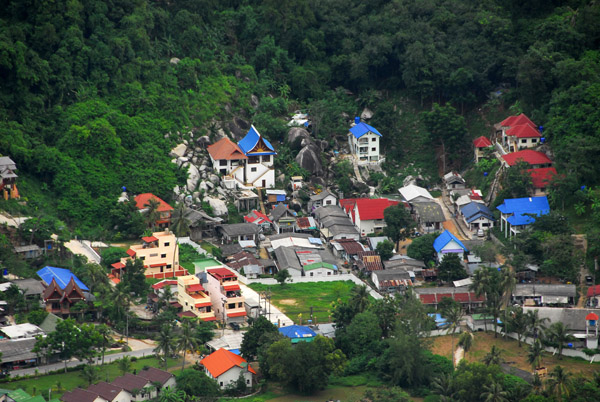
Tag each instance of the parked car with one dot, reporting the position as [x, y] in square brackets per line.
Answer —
[235, 326]
[589, 280]
[480, 233]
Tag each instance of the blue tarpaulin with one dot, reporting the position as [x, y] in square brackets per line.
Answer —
[62, 277]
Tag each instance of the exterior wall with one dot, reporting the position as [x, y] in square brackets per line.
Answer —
[479, 223]
[122, 396]
[329, 200]
[189, 300]
[346, 236]
[167, 254]
[319, 272]
[456, 186]
[452, 245]
[524, 143]
[262, 171]
[231, 376]
[430, 227]
[171, 383]
[365, 148]
[368, 226]
[218, 295]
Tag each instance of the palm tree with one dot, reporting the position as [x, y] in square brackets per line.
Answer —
[465, 341]
[90, 373]
[164, 299]
[104, 332]
[453, 316]
[186, 340]
[124, 364]
[165, 344]
[479, 286]
[170, 395]
[493, 357]
[559, 383]
[534, 355]
[443, 386]
[180, 225]
[517, 322]
[120, 299]
[359, 298]
[152, 214]
[535, 324]
[494, 393]
[558, 333]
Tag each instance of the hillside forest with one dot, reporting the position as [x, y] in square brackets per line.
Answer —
[95, 93]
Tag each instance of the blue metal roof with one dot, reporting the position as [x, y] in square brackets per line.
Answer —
[362, 128]
[444, 239]
[474, 210]
[248, 143]
[297, 331]
[522, 208]
[61, 275]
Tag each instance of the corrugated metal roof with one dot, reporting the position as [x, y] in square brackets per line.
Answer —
[363, 128]
[249, 142]
[444, 239]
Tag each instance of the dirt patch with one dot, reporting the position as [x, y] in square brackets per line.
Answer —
[288, 302]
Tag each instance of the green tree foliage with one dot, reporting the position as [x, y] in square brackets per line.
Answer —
[447, 129]
[422, 249]
[194, 382]
[517, 180]
[399, 224]
[451, 269]
[254, 338]
[282, 276]
[385, 250]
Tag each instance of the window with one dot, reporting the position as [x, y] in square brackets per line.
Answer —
[374, 139]
[523, 141]
[167, 244]
[153, 255]
[534, 140]
[328, 272]
[163, 256]
[221, 383]
[253, 169]
[374, 149]
[328, 202]
[169, 266]
[254, 159]
[311, 274]
[231, 305]
[162, 269]
[143, 257]
[223, 163]
[240, 305]
[266, 158]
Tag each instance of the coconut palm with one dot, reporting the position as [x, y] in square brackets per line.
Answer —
[517, 322]
[453, 315]
[559, 383]
[104, 332]
[165, 344]
[535, 324]
[443, 386]
[494, 393]
[90, 374]
[558, 333]
[125, 365]
[151, 213]
[493, 357]
[180, 224]
[534, 355]
[359, 298]
[465, 341]
[186, 340]
[479, 286]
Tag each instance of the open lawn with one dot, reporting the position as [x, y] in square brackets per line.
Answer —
[298, 298]
[511, 353]
[63, 382]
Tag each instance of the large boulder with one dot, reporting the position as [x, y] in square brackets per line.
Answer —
[239, 128]
[193, 177]
[178, 151]
[309, 158]
[366, 114]
[295, 133]
[218, 206]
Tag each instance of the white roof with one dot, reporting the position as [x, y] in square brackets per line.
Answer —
[463, 200]
[275, 192]
[4, 286]
[247, 243]
[462, 282]
[411, 192]
[293, 242]
[22, 331]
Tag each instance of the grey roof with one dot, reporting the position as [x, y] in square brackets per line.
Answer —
[49, 323]
[374, 241]
[329, 210]
[18, 349]
[321, 196]
[327, 256]
[336, 220]
[287, 259]
[342, 229]
[6, 162]
[391, 274]
[526, 289]
[253, 269]
[237, 229]
[291, 234]
[573, 318]
[430, 212]
[441, 289]
[230, 249]
[30, 286]
[195, 217]
[279, 211]
[409, 264]
[24, 249]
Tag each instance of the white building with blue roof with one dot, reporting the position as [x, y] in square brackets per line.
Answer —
[516, 213]
[447, 243]
[477, 216]
[258, 170]
[363, 140]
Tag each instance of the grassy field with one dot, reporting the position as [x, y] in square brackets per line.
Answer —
[298, 298]
[63, 382]
[511, 353]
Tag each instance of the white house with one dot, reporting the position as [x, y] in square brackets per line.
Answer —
[322, 199]
[319, 269]
[363, 140]
[225, 367]
[413, 193]
[454, 181]
[367, 213]
[447, 243]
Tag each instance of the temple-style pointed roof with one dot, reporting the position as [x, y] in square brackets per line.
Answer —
[51, 290]
[255, 144]
[72, 291]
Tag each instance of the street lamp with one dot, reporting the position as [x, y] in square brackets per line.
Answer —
[224, 315]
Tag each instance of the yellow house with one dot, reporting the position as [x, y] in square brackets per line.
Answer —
[194, 299]
[159, 254]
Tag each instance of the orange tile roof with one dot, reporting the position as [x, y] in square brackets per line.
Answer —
[482, 142]
[141, 202]
[222, 361]
[225, 149]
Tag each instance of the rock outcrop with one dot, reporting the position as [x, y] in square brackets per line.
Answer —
[309, 158]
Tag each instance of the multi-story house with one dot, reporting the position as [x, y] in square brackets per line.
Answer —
[247, 164]
[193, 298]
[159, 253]
[142, 202]
[8, 178]
[363, 140]
[367, 213]
[226, 296]
[60, 301]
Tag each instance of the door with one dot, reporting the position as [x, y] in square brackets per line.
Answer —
[264, 183]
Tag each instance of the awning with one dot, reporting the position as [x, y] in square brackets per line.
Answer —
[176, 305]
[231, 287]
[149, 239]
[196, 287]
[205, 304]
[162, 264]
[118, 265]
[186, 314]
[213, 318]
[555, 299]
[238, 314]
[130, 253]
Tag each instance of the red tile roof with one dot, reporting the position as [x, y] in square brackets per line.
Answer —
[118, 265]
[593, 291]
[516, 120]
[462, 297]
[130, 253]
[368, 208]
[196, 287]
[371, 260]
[528, 155]
[130, 382]
[350, 246]
[149, 239]
[222, 361]
[141, 202]
[225, 149]
[155, 375]
[205, 304]
[428, 299]
[164, 283]
[237, 314]
[79, 395]
[221, 273]
[591, 317]
[105, 390]
[541, 177]
[482, 142]
[523, 131]
[257, 217]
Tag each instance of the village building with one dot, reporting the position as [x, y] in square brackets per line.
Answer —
[413, 194]
[540, 294]
[335, 224]
[28, 252]
[226, 367]
[447, 243]
[62, 291]
[259, 219]
[432, 297]
[477, 216]
[429, 216]
[225, 294]
[236, 232]
[480, 145]
[516, 213]
[367, 213]
[503, 137]
[275, 196]
[541, 179]
[535, 159]
[8, 179]
[392, 280]
[319, 269]
[298, 333]
[363, 141]
[454, 181]
[193, 298]
[283, 218]
[164, 210]
[159, 253]
[321, 199]
[523, 136]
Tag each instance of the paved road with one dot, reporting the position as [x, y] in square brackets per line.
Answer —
[9, 220]
[84, 248]
[74, 362]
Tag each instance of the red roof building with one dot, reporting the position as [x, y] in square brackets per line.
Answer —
[534, 158]
[523, 131]
[225, 149]
[541, 177]
[512, 121]
[367, 213]
[482, 142]
[225, 367]
[142, 201]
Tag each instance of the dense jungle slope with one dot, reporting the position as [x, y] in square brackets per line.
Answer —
[90, 88]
